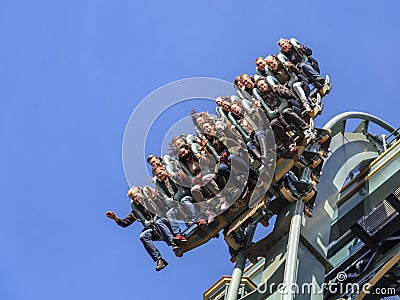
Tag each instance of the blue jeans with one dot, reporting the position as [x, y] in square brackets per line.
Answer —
[251, 146]
[225, 171]
[173, 212]
[148, 237]
[310, 72]
[162, 226]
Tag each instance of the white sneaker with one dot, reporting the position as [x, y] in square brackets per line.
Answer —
[307, 134]
[224, 205]
[210, 218]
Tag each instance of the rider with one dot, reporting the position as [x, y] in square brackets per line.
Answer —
[291, 53]
[270, 99]
[280, 74]
[171, 192]
[155, 229]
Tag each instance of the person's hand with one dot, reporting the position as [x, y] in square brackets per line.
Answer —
[148, 223]
[112, 215]
[298, 46]
[287, 63]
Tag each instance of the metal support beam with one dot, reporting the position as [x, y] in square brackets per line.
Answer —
[290, 276]
[240, 263]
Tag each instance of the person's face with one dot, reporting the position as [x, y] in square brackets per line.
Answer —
[180, 142]
[218, 101]
[200, 121]
[161, 174]
[239, 84]
[236, 109]
[226, 106]
[154, 161]
[285, 46]
[137, 197]
[208, 129]
[247, 82]
[260, 63]
[263, 86]
[183, 152]
[273, 63]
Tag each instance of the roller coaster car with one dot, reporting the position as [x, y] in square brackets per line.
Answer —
[239, 213]
[308, 157]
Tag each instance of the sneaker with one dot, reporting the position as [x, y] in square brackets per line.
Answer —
[292, 147]
[307, 109]
[321, 80]
[308, 210]
[174, 246]
[201, 222]
[307, 134]
[234, 256]
[179, 239]
[161, 264]
[177, 250]
[211, 217]
[224, 205]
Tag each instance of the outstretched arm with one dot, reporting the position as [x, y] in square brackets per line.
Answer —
[122, 222]
[112, 215]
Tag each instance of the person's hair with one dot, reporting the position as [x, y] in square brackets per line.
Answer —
[187, 147]
[261, 78]
[236, 80]
[244, 75]
[258, 58]
[134, 189]
[282, 40]
[270, 57]
[151, 156]
[237, 103]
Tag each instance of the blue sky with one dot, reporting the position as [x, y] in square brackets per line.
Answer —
[71, 74]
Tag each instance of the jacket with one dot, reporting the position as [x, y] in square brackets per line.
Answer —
[179, 191]
[294, 57]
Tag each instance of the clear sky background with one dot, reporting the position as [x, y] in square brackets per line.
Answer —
[71, 73]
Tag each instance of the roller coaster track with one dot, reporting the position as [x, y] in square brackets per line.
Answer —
[296, 251]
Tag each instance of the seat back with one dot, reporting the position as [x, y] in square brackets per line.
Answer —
[268, 111]
[221, 113]
[244, 134]
[272, 81]
[295, 43]
[293, 77]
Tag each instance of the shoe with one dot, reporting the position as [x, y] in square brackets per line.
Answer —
[161, 264]
[224, 205]
[177, 250]
[174, 246]
[308, 211]
[201, 222]
[307, 109]
[179, 239]
[211, 217]
[307, 134]
[321, 80]
[234, 256]
[292, 147]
